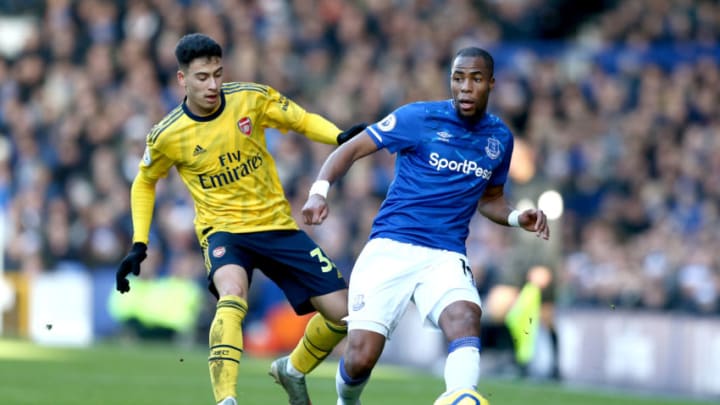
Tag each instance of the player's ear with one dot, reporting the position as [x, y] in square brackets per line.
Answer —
[181, 77]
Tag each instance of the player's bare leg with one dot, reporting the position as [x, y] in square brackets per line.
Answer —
[460, 322]
[361, 354]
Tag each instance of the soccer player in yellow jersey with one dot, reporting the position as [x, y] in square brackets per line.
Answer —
[216, 141]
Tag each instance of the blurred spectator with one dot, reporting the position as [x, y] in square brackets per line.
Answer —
[618, 109]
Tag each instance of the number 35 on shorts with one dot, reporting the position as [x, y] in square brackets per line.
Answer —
[326, 264]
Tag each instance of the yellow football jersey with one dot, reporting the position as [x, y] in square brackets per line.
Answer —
[224, 161]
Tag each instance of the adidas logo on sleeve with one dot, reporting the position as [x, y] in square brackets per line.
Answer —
[198, 150]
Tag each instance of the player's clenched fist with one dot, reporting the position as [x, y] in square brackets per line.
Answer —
[315, 210]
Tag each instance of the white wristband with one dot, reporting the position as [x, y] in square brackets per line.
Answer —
[514, 218]
[320, 187]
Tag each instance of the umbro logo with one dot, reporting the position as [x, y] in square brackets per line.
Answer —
[198, 150]
[444, 136]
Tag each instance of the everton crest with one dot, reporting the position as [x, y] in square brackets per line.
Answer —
[493, 148]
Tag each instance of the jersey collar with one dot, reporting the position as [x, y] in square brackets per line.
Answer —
[205, 118]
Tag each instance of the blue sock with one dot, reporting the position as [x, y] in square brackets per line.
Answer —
[348, 388]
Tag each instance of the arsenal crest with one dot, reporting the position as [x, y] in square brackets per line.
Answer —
[218, 252]
[245, 126]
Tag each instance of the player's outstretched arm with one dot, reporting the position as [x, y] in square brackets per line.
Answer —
[350, 133]
[319, 129]
[335, 166]
[142, 201]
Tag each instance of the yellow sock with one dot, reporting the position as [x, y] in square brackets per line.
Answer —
[226, 346]
[523, 321]
[321, 336]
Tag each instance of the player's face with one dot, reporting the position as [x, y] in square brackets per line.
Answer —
[471, 83]
[202, 82]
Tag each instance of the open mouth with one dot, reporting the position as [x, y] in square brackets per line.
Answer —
[466, 104]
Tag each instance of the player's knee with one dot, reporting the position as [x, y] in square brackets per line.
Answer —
[238, 292]
[336, 315]
[230, 288]
[231, 280]
[359, 363]
[362, 353]
[333, 306]
[461, 319]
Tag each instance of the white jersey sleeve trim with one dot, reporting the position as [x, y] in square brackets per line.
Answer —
[375, 134]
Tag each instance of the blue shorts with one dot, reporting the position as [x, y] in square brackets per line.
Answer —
[288, 257]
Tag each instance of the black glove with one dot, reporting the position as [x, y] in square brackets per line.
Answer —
[347, 134]
[130, 264]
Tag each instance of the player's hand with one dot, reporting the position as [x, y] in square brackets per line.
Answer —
[315, 210]
[130, 264]
[347, 134]
[534, 220]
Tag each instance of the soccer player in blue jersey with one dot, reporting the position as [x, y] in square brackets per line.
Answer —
[215, 139]
[452, 159]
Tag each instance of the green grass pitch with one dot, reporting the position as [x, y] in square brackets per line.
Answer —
[113, 374]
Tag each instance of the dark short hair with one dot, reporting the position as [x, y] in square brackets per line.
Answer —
[475, 52]
[193, 46]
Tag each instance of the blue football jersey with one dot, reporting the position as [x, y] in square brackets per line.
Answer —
[443, 164]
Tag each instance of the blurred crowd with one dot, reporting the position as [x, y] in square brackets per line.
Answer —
[617, 108]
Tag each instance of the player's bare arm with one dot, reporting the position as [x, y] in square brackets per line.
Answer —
[337, 164]
[496, 208]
